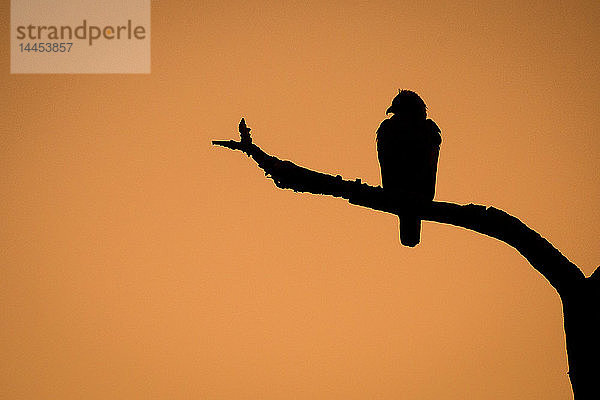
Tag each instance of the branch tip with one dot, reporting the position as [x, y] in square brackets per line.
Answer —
[245, 132]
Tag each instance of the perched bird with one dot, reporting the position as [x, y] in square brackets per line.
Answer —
[408, 146]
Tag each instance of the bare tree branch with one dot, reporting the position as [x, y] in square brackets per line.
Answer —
[580, 296]
[555, 267]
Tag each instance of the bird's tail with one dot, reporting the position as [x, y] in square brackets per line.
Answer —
[410, 230]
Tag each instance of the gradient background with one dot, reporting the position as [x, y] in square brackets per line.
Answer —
[139, 262]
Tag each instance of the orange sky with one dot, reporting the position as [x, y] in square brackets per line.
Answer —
[139, 262]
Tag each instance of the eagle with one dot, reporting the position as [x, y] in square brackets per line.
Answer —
[408, 147]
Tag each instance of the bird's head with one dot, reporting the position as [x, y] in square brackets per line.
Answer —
[408, 104]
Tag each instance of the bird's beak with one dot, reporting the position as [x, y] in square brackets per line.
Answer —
[389, 110]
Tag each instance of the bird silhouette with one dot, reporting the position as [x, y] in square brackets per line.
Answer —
[408, 146]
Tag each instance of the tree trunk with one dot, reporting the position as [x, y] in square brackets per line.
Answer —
[581, 308]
